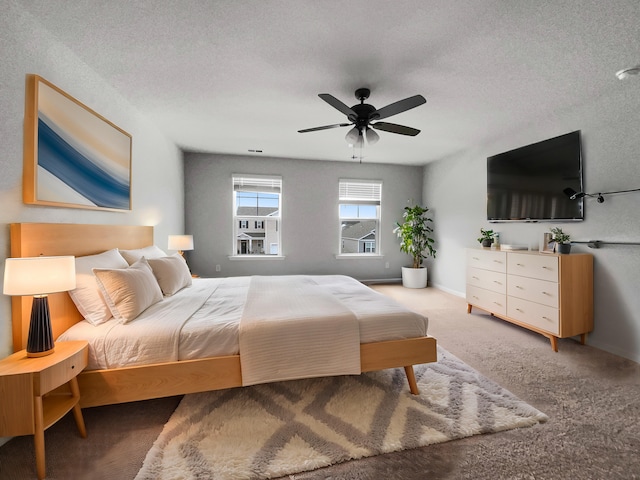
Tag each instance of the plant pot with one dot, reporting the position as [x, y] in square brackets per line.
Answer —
[487, 242]
[414, 277]
[564, 248]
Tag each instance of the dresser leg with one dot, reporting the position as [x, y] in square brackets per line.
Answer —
[77, 411]
[583, 338]
[38, 437]
[554, 343]
[468, 308]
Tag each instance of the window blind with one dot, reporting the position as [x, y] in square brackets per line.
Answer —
[360, 191]
[257, 183]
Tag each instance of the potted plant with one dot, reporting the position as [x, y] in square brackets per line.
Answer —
[486, 237]
[563, 240]
[415, 239]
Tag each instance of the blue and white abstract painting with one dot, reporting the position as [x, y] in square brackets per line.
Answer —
[82, 159]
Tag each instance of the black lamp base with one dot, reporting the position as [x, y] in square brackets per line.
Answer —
[40, 340]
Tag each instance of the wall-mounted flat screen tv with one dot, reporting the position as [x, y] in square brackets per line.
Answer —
[527, 184]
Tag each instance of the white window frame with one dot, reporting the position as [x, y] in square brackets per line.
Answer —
[273, 237]
[360, 192]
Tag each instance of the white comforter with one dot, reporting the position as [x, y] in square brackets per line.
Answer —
[203, 320]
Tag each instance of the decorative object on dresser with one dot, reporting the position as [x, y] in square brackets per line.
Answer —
[269, 431]
[415, 235]
[550, 294]
[562, 240]
[26, 408]
[486, 237]
[38, 277]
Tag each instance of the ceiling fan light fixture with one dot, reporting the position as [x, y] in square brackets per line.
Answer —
[352, 136]
[627, 72]
[372, 136]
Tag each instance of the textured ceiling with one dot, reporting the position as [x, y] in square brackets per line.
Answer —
[234, 76]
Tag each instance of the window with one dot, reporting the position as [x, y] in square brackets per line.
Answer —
[256, 215]
[359, 213]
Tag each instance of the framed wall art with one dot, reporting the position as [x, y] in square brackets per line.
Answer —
[73, 156]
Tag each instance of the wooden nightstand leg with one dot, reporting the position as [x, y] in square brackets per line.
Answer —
[77, 411]
[38, 437]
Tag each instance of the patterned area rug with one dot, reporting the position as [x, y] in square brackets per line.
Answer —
[272, 430]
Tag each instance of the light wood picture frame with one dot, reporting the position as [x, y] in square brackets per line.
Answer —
[73, 156]
[547, 244]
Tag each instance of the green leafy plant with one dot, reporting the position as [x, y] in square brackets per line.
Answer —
[559, 236]
[485, 235]
[415, 234]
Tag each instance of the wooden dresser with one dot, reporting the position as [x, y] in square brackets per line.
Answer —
[551, 294]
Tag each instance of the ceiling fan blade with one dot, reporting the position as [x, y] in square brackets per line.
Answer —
[338, 105]
[325, 127]
[398, 107]
[395, 128]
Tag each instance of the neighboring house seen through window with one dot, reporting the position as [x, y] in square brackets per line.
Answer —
[256, 214]
[359, 210]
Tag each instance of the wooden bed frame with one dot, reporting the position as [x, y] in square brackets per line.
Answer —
[119, 385]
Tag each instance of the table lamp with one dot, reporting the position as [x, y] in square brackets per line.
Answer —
[180, 243]
[39, 276]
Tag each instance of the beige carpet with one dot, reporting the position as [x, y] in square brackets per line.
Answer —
[271, 430]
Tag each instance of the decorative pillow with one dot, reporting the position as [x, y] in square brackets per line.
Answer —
[172, 273]
[128, 291]
[152, 251]
[86, 295]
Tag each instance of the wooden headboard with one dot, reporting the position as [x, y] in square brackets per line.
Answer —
[52, 239]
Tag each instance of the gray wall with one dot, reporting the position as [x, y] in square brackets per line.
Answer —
[310, 226]
[157, 183]
[456, 189]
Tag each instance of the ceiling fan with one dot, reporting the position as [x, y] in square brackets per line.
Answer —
[362, 114]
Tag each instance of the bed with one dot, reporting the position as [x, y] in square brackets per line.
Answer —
[117, 383]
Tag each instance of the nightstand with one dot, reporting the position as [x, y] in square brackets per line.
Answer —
[37, 392]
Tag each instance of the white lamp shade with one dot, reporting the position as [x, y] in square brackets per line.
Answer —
[352, 136]
[39, 275]
[180, 242]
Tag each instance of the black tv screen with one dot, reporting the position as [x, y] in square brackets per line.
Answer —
[527, 184]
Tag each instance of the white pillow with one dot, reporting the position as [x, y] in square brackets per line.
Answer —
[128, 291]
[86, 295]
[172, 273]
[152, 251]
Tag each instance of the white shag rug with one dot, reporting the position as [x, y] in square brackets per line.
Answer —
[272, 430]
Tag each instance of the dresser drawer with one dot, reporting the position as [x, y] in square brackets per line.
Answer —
[538, 316]
[487, 260]
[60, 373]
[534, 290]
[487, 279]
[492, 302]
[535, 266]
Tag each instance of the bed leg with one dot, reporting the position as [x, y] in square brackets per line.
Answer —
[413, 385]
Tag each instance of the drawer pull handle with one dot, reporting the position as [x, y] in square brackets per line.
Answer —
[520, 310]
[520, 264]
[475, 297]
[496, 281]
[546, 268]
[546, 293]
[546, 318]
[476, 258]
[498, 303]
[519, 287]
[497, 261]
[475, 277]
